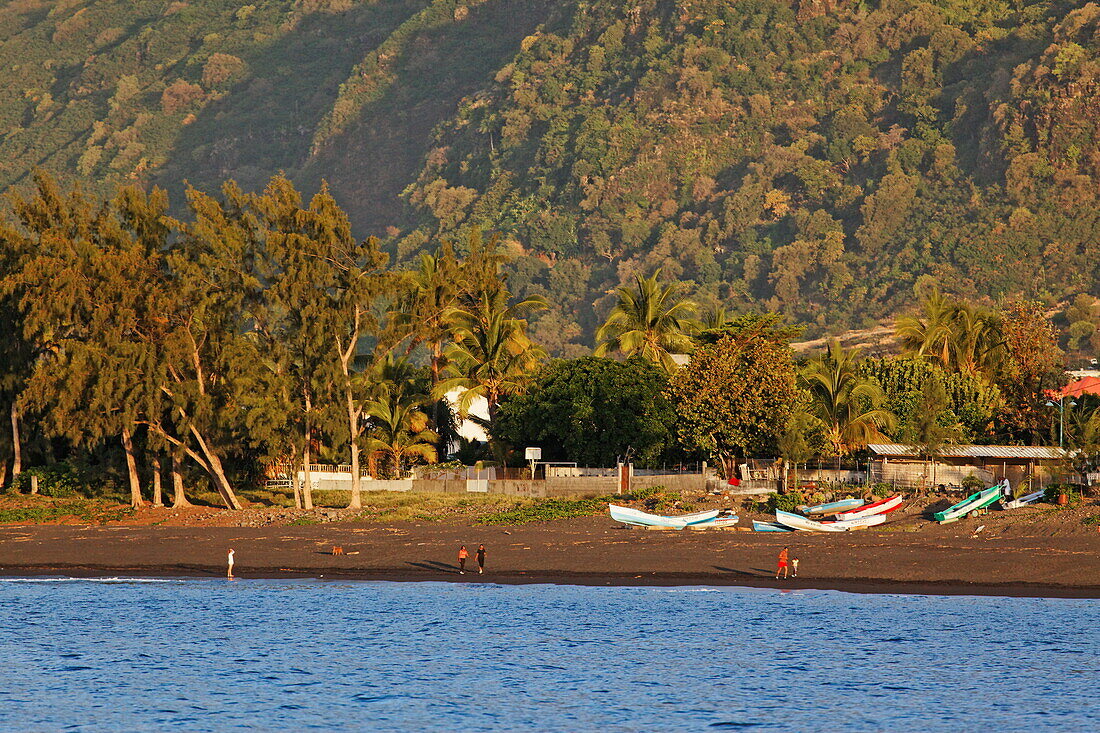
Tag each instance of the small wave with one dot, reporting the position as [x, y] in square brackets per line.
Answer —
[88, 580]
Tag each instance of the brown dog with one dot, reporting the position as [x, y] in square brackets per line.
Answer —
[337, 550]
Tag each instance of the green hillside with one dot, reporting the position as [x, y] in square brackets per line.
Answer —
[819, 157]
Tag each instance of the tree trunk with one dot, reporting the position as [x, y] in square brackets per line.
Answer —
[214, 468]
[307, 485]
[179, 499]
[346, 355]
[131, 469]
[353, 445]
[16, 447]
[3, 474]
[158, 497]
[295, 486]
[224, 488]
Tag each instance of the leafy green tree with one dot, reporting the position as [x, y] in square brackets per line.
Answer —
[972, 402]
[594, 411]
[93, 296]
[650, 320]
[933, 429]
[1033, 366]
[735, 397]
[847, 405]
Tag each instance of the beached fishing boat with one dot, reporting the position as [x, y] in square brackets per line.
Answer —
[832, 507]
[626, 515]
[719, 522]
[1023, 500]
[977, 500]
[859, 523]
[758, 526]
[795, 521]
[884, 506]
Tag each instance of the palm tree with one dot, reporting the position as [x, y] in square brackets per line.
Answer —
[651, 320]
[423, 312]
[848, 406]
[928, 334]
[491, 355]
[962, 337]
[399, 430]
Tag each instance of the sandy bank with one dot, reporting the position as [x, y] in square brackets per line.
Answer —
[1000, 560]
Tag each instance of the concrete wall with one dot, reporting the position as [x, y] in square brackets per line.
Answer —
[581, 486]
[672, 481]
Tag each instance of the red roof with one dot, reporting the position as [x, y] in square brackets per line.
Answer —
[1085, 385]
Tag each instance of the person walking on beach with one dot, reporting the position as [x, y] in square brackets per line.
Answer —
[462, 555]
[229, 571]
[794, 567]
[480, 559]
[783, 554]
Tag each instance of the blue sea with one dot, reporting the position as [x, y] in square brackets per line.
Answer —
[144, 654]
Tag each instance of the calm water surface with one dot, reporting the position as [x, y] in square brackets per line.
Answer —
[266, 654]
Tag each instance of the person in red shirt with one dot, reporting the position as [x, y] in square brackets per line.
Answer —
[782, 563]
[462, 555]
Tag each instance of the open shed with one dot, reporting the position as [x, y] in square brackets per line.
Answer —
[902, 464]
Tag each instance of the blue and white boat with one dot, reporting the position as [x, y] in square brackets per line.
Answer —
[758, 526]
[832, 507]
[626, 515]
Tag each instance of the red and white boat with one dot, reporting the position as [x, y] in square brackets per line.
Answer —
[884, 506]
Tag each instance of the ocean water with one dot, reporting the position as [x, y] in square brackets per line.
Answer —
[142, 654]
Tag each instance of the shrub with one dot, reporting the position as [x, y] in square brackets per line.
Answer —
[972, 483]
[1070, 490]
[880, 490]
[59, 480]
[782, 502]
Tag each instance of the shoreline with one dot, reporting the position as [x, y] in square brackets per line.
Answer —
[872, 586]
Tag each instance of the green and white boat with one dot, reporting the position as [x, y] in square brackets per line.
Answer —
[975, 501]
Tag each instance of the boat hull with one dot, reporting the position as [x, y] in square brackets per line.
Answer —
[716, 523]
[859, 523]
[978, 500]
[1024, 500]
[626, 515]
[794, 521]
[879, 507]
[758, 526]
[834, 507]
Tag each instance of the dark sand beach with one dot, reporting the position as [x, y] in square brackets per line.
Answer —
[1017, 558]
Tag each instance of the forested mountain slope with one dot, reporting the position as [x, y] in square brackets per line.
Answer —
[818, 157]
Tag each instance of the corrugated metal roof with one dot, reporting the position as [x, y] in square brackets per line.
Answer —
[1032, 452]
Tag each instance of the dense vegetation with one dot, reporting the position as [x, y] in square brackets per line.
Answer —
[257, 334]
[819, 158]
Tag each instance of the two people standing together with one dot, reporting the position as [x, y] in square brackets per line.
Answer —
[785, 562]
[463, 553]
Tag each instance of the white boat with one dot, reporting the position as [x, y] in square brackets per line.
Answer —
[794, 521]
[1023, 500]
[869, 510]
[719, 522]
[626, 515]
[860, 522]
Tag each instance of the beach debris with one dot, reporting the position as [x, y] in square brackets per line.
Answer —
[979, 529]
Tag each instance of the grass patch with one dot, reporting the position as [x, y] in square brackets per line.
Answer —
[1092, 521]
[545, 510]
[393, 506]
[46, 510]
